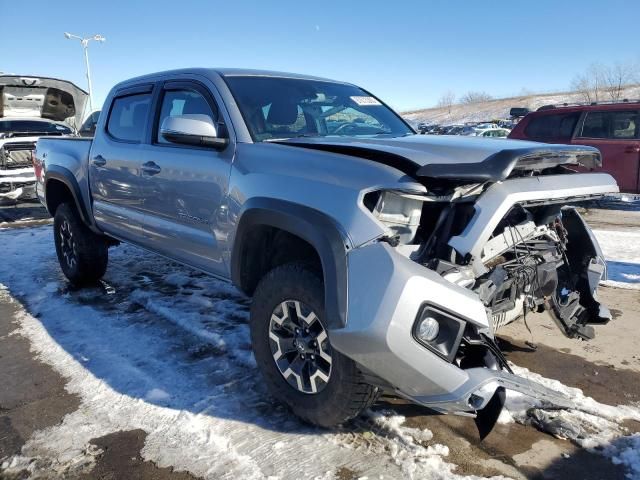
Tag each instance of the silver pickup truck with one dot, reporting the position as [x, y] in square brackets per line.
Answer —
[376, 259]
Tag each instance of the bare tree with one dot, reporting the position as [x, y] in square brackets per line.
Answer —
[590, 84]
[617, 77]
[446, 100]
[601, 82]
[475, 97]
[582, 86]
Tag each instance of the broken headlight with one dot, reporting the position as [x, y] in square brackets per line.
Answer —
[439, 331]
[398, 211]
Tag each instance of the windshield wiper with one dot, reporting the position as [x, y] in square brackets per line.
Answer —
[298, 135]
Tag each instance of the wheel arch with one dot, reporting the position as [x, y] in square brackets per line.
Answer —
[320, 231]
[60, 185]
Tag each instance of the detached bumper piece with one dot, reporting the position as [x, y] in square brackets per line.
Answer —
[576, 310]
[480, 387]
[485, 393]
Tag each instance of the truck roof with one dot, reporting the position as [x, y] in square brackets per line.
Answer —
[225, 72]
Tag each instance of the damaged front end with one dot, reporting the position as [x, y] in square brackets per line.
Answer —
[455, 265]
[539, 256]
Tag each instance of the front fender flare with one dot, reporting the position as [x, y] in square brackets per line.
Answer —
[322, 232]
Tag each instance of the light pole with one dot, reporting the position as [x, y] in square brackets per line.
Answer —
[85, 47]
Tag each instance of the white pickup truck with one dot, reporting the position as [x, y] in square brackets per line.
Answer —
[30, 108]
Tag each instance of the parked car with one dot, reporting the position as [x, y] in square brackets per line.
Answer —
[508, 124]
[613, 128]
[441, 130]
[493, 133]
[468, 131]
[376, 259]
[434, 129]
[518, 112]
[31, 107]
[454, 130]
[424, 128]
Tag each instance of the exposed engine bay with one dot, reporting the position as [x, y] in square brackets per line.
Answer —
[540, 256]
[539, 259]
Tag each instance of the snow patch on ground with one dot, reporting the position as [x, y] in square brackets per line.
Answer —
[411, 449]
[166, 349]
[622, 252]
[592, 425]
[626, 451]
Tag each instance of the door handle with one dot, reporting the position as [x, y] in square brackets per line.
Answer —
[150, 168]
[632, 149]
[99, 161]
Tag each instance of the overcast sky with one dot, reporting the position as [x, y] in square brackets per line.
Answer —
[408, 53]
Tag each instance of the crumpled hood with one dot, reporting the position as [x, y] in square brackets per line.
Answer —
[454, 157]
[41, 97]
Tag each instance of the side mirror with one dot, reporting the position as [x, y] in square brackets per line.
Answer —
[192, 129]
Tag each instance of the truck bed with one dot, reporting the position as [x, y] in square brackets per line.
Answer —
[71, 158]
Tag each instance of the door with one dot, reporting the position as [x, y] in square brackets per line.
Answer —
[184, 186]
[616, 135]
[116, 153]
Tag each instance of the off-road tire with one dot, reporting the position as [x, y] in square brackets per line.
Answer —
[90, 251]
[346, 393]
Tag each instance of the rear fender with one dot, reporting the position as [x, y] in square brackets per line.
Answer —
[63, 175]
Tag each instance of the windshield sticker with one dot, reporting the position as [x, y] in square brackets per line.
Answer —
[365, 101]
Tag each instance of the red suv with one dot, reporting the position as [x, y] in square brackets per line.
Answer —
[613, 128]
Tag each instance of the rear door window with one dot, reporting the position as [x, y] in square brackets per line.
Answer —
[128, 117]
[622, 125]
[556, 126]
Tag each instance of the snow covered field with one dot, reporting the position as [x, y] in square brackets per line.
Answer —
[622, 251]
[497, 108]
[165, 349]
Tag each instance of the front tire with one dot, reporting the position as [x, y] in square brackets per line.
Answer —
[292, 348]
[83, 255]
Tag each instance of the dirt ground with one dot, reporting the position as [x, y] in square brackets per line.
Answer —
[33, 395]
[607, 368]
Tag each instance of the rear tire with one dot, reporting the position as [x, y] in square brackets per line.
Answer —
[83, 255]
[329, 390]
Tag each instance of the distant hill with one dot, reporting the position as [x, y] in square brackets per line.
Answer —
[498, 108]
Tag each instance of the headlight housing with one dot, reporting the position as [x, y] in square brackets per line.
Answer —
[439, 331]
[398, 211]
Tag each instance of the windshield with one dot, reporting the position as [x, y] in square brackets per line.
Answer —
[8, 127]
[276, 108]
